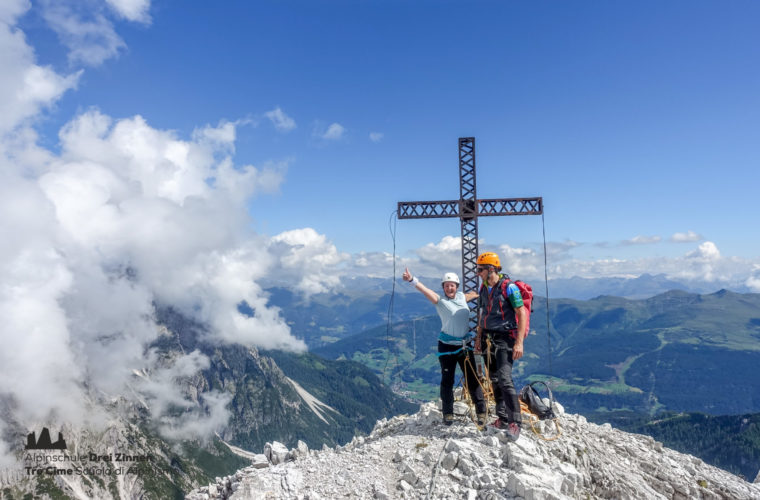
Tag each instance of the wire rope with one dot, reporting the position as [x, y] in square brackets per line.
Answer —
[392, 223]
[546, 284]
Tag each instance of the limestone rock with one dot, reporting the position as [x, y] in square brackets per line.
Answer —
[587, 461]
[259, 461]
[276, 452]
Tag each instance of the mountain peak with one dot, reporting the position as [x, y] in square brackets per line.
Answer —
[415, 456]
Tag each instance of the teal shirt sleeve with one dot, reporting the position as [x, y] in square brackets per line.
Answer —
[514, 296]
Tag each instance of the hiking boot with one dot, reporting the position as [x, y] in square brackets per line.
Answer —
[513, 431]
[498, 424]
[448, 419]
[480, 419]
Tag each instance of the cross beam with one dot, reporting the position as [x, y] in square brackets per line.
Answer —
[468, 208]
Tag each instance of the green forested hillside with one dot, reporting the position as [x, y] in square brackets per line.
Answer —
[610, 357]
[729, 442]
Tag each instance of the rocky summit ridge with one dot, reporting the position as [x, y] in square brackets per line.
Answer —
[415, 456]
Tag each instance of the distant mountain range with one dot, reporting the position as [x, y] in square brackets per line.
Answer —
[363, 303]
[609, 356]
[639, 287]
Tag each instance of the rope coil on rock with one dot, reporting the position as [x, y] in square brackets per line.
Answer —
[533, 419]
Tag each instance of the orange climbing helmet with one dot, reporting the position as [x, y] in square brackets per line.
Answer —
[489, 259]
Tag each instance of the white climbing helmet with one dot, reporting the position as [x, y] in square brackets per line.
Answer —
[450, 277]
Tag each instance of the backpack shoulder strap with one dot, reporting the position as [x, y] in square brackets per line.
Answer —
[505, 281]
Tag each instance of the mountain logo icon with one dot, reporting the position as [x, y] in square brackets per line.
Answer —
[44, 442]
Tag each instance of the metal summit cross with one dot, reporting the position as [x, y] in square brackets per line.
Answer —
[468, 208]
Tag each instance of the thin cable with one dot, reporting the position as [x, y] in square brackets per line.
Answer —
[392, 226]
[437, 466]
[546, 283]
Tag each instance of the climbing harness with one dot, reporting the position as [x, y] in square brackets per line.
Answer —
[449, 339]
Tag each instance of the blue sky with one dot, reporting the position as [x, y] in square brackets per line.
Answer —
[636, 121]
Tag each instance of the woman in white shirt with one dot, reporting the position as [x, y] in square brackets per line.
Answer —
[454, 342]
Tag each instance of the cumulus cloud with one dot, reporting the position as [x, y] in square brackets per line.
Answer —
[11, 10]
[703, 264]
[446, 254]
[25, 87]
[376, 136]
[308, 259]
[124, 217]
[753, 281]
[280, 120]
[374, 264]
[558, 250]
[519, 261]
[179, 415]
[84, 29]
[642, 240]
[687, 237]
[706, 252]
[132, 10]
[333, 132]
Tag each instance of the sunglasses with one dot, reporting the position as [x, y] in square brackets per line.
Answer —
[481, 269]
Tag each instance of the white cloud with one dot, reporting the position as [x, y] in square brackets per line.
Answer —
[374, 264]
[132, 10]
[280, 120]
[753, 281]
[25, 87]
[124, 217]
[703, 264]
[519, 262]
[558, 250]
[308, 259]
[222, 135]
[642, 240]
[376, 136]
[334, 132]
[687, 237]
[706, 252]
[444, 255]
[84, 29]
[11, 10]
[200, 416]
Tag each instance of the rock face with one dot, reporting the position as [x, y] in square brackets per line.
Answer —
[417, 457]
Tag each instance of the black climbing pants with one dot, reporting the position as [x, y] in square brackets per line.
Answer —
[448, 369]
[499, 361]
